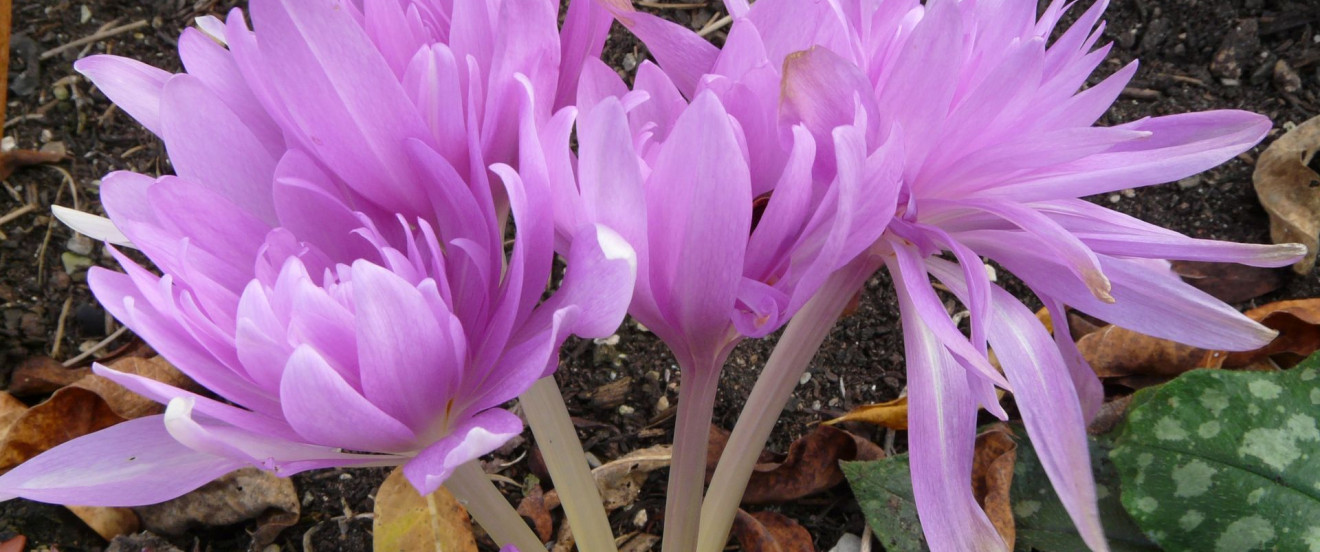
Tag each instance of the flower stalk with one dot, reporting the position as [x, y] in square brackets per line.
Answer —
[564, 458]
[487, 505]
[687, 471]
[799, 343]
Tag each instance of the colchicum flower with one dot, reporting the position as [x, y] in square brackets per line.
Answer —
[333, 256]
[995, 144]
[680, 183]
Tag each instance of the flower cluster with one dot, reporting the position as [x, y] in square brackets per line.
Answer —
[333, 245]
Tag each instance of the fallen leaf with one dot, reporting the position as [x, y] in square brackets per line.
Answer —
[533, 508]
[107, 522]
[811, 466]
[719, 438]
[892, 414]
[70, 413]
[41, 375]
[10, 409]
[1289, 189]
[992, 477]
[1229, 282]
[1115, 352]
[642, 542]
[1110, 414]
[1298, 324]
[770, 532]
[243, 495]
[404, 521]
[620, 481]
[15, 544]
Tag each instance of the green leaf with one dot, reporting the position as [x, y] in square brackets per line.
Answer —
[1225, 461]
[884, 491]
[1042, 522]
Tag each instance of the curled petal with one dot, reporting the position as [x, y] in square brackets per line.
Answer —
[466, 442]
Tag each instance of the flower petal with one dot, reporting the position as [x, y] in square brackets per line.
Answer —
[325, 410]
[130, 464]
[132, 85]
[472, 438]
[96, 227]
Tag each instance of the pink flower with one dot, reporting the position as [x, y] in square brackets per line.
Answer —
[995, 146]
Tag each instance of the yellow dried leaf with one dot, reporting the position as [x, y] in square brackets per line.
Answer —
[405, 521]
[892, 414]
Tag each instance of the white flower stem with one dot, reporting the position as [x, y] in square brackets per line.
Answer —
[555, 435]
[488, 507]
[687, 472]
[799, 343]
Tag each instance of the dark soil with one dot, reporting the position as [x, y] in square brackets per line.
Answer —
[1196, 55]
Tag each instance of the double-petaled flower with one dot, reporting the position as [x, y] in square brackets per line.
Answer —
[994, 145]
[333, 256]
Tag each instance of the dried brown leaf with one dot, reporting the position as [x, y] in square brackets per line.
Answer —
[10, 410]
[770, 532]
[533, 507]
[620, 481]
[811, 466]
[107, 522]
[1298, 324]
[992, 478]
[642, 542]
[41, 375]
[15, 544]
[1229, 282]
[248, 493]
[70, 413]
[1289, 189]
[404, 521]
[1115, 352]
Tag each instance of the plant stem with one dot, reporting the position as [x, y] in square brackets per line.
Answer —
[548, 417]
[487, 505]
[774, 386]
[687, 472]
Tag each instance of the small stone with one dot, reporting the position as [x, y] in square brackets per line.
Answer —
[626, 410]
[75, 265]
[84, 13]
[639, 520]
[271, 548]
[1115, 198]
[57, 148]
[1286, 80]
[80, 244]
[1190, 182]
[8, 143]
[848, 543]
[629, 62]
[46, 135]
[32, 326]
[662, 404]
[806, 377]
[60, 91]
[815, 405]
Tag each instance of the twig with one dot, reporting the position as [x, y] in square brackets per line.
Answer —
[94, 37]
[41, 251]
[17, 213]
[59, 327]
[866, 538]
[715, 25]
[99, 345]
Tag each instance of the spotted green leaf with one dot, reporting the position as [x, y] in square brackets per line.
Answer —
[884, 491]
[1225, 461]
[1043, 524]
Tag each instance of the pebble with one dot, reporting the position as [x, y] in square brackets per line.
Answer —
[1190, 182]
[640, 519]
[1286, 80]
[80, 244]
[75, 265]
[662, 404]
[806, 377]
[848, 543]
[626, 410]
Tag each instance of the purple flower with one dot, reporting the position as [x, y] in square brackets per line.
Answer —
[995, 146]
[333, 257]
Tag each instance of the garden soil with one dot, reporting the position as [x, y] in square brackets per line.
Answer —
[1258, 55]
